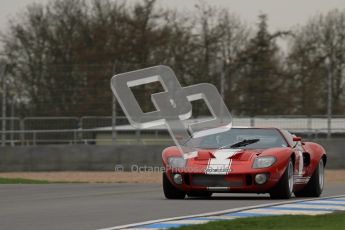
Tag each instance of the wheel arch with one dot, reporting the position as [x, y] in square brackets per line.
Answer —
[324, 158]
[293, 158]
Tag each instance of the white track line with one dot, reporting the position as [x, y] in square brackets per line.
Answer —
[336, 208]
[221, 217]
[339, 198]
[187, 222]
[134, 225]
[330, 202]
[287, 212]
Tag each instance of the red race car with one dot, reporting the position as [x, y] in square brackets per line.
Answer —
[245, 160]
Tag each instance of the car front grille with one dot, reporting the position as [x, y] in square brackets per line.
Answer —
[215, 181]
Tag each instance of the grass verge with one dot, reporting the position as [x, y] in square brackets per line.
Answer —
[21, 181]
[30, 181]
[288, 222]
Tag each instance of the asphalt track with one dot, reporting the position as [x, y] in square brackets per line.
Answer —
[94, 206]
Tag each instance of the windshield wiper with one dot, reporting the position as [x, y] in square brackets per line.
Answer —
[244, 142]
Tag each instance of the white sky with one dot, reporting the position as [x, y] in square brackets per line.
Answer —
[282, 14]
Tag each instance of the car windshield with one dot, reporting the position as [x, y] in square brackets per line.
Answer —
[244, 138]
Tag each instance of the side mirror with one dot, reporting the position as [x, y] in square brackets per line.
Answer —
[295, 139]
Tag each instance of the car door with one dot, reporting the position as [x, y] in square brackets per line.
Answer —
[300, 170]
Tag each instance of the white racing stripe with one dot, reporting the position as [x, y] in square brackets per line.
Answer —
[221, 164]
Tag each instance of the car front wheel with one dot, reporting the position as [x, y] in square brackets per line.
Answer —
[284, 188]
[170, 191]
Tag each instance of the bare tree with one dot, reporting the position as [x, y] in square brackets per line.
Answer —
[260, 82]
[322, 37]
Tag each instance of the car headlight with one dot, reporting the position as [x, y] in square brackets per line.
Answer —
[177, 162]
[263, 162]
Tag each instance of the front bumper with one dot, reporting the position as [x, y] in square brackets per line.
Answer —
[231, 182]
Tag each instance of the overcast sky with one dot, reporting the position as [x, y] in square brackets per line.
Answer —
[282, 14]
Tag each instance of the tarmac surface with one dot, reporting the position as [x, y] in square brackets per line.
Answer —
[94, 206]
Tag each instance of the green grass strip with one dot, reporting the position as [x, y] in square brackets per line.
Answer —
[287, 222]
[22, 181]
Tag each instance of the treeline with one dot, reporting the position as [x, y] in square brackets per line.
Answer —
[60, 57]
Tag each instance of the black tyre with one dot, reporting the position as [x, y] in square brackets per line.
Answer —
[170, 191]
[284, 188]
[315, 185]
[199, 194]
